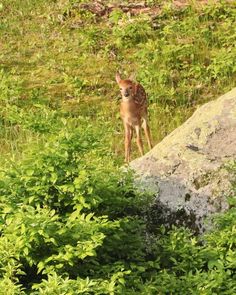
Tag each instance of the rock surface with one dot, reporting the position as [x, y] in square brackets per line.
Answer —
[186, 170]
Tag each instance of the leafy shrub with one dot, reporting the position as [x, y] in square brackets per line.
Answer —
[67, 215]
[128, 33]
[70, 225]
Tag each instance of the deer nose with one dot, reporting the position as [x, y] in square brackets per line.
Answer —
[126, 94]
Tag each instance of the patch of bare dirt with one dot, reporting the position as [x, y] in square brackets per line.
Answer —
[103, 8]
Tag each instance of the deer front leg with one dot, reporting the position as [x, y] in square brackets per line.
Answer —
[128, 137]
[139, 139]
[147, 132]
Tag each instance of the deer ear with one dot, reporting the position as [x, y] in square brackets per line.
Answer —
[132, 77]
[118, 78]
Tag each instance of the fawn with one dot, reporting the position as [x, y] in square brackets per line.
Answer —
[134, 114]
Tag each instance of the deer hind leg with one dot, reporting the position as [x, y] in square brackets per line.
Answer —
[128, 137]
[147, 132]
[139, 139]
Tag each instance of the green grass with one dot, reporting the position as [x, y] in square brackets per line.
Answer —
[66, 58]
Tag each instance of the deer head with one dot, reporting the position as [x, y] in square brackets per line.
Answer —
[127, 87]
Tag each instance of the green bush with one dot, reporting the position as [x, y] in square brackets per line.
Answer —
[65, 216]
[70, 224]
[130, 32]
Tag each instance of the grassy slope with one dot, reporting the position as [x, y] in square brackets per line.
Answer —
[65, 59]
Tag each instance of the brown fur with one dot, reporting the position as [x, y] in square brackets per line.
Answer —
[134, 113]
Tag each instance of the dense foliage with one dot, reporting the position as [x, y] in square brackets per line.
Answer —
[71, 221]
[72, 225]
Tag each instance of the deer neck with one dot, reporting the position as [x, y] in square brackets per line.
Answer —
[128, 100]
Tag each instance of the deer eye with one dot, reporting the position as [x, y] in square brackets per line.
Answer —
[120, 88]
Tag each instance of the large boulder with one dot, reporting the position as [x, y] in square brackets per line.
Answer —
[187, 170]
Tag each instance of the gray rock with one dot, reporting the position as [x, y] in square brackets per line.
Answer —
[187, 169]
